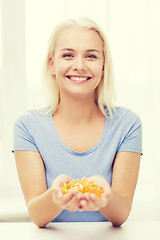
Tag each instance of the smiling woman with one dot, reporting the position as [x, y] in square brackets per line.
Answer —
[92, 53]
[79, 134]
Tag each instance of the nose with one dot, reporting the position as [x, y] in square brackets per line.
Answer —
[79, 64]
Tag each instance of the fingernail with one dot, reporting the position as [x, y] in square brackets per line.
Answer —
[80, 208]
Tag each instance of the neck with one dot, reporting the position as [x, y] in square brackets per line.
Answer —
[77, 109]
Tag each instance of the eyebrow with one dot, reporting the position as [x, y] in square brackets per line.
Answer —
[72, 50]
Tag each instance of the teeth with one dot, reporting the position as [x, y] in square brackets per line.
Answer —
[78, 78]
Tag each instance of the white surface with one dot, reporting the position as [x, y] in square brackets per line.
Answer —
[79, 231]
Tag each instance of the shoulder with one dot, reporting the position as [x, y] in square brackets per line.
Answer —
[129, 126]
[33, 115]
[126, 115]
[128, 122]
[30, 119]
[27, 117]
[124, 120]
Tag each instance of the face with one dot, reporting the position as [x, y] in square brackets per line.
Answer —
[77, 63]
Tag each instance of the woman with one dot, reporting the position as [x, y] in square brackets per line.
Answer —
[79, 134]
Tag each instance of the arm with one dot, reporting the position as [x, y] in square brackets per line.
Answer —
[116, 201]
[43, 205]
[32, 178]
[124, 179]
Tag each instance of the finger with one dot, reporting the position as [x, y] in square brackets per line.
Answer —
[72, 204]
[106, 196]
[96, 201]
[99, 202]
[60, 180]
[81, 201]
[87, 204]
[82, 205]
[90, 206]
[108, 193]
[104, 200]
[68, 196]
[56, 194]
[60, 198]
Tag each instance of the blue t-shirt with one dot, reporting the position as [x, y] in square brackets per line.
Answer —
[36, 132]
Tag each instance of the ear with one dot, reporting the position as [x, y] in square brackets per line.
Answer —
[102, 71]
[51, 66]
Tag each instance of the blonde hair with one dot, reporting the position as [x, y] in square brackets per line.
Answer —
[104, 93]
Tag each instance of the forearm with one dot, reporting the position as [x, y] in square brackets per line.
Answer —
[117, 210]
[42, 209]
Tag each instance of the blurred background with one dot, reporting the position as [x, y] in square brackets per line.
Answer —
[133, 31]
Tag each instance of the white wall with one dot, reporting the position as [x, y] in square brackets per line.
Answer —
[132, 30]
[13, 81]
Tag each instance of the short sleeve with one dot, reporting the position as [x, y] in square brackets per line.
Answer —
[132, 135]
[23, 136]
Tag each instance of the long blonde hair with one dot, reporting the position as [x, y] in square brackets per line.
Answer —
[104, 93]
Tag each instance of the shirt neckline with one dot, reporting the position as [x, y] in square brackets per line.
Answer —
[69, 150]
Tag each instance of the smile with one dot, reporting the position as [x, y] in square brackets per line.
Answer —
[78, 78]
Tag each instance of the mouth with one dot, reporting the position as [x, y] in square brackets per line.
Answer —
[78, 78]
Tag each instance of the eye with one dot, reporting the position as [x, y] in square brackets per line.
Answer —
[68, 55]
[91, 56]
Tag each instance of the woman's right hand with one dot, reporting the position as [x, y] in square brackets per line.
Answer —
[68, 201]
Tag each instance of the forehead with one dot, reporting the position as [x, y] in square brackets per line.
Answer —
[78, 38]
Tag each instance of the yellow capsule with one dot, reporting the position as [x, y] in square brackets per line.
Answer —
[83, 186]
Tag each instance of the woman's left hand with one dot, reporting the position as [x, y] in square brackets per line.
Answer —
[91, 202]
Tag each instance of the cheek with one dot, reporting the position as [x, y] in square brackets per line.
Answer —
[96, 67]
[61, 69]
[98, 72]
[99, 75]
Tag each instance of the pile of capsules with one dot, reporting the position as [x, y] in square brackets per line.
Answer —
[83, 185]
